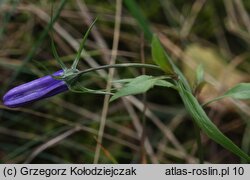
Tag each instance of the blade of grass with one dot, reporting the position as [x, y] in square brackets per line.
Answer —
[111, 73]
[138, 15]
[107, 153]
[25, 147]
[52, 142]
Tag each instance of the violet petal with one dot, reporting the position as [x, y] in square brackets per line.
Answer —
[35, 90]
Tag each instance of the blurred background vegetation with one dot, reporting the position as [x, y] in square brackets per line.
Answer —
[150, 128]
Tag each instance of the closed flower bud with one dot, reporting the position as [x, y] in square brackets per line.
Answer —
[35, 90]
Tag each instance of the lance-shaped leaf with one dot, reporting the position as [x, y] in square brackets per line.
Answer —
[140, 85]
[240, 91]
[79, 52]
[203, 121]
[160, 57]
[35, 90]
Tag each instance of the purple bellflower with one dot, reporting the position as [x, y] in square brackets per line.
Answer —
[46, 86]
[35, 90]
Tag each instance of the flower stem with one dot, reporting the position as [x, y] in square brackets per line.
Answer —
[124, 65]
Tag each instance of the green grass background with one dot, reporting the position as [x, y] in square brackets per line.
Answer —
[64, 128]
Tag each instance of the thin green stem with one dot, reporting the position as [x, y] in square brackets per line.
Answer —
[213, 100]
[124, 65]
[59, 61]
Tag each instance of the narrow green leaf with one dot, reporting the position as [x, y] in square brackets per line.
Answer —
[160, 57]
[79, 52]
[59, 61]
[240, 91]
[200, 117]
[159, 82]
[203, 121]
[54, 51]
[164, 83]
[122, 81]
[140, 85]
[78, 88]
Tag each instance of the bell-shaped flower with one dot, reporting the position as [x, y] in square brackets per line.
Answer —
[46, 86]
[35, 90]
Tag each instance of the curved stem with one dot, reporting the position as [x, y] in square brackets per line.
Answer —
[119, 66]
[213, 100]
